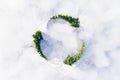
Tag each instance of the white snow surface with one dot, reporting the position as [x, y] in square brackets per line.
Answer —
[99, 28]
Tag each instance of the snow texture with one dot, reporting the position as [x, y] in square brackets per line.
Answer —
[99, 28]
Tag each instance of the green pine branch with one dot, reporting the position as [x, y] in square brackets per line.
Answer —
[73, 21]
[72, 59]
[37, 37]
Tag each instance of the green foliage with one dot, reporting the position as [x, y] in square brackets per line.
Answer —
[72, 59]
[69, 60]
[37, 39]
[73, 21]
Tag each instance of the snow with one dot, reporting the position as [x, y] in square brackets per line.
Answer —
[99, 20]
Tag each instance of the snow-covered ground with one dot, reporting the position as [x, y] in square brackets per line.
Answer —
[100, 29]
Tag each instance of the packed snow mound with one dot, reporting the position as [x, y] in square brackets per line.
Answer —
[61, 39]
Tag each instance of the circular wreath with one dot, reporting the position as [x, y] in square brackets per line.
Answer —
[74, 22]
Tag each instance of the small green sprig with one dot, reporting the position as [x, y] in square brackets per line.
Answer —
[37, 37]
[73, 21]
[72, 59]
